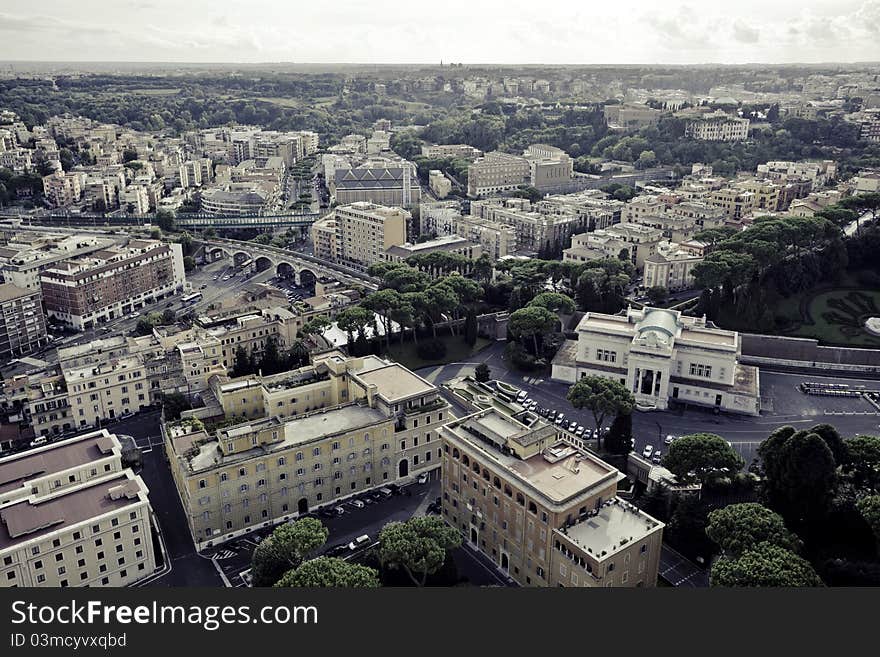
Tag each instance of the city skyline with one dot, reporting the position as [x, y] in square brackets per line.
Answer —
[668, 33]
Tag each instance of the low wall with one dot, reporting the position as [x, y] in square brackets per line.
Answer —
[775, 351]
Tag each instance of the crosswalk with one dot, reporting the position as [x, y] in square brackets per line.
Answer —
[224, 554]
[533, 380]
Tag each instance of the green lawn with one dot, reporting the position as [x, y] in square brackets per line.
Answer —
[456, 351]
[837, 317]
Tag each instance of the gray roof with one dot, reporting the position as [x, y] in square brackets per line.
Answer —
[369, 178]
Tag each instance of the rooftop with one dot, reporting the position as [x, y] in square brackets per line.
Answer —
[558, 473]
[395, 382]
[9, 292]
[610, 527]
[27, 520]
[56, 457]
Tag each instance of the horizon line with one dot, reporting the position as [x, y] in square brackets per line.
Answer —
[438, 64]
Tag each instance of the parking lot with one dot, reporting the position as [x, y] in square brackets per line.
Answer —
[233, 558]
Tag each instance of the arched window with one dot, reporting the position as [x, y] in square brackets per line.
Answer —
[533, 508]
[465, 460]
[455, 453]
[520, 499]
[496, 482]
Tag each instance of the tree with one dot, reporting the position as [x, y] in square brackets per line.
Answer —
[619, 439]
[470, 328]
[144, 326]
[355, 319]
[531, 322]
[271, 362]
[739, 527]
[285, 549]
[601, 396]
[330, 572]
[165, 220]
[869, 508]
[189, 263]
[702, 457]
[129, 155]
[657, 295]
[417, 546]
[764, 565]
[242, 363]
[799, 475]
[482, 373]
[173, 404]
[862, 464]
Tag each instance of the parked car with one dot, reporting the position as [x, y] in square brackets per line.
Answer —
[669, 440]
[337, 550]
[338, 510]
[572, 426]
[658, 456]
[560, 419]
[422, 478]
[579, 432]
[521, 397]
[649, 449]
[533, 406]
[359, 542]
[42, 440]
[544, 412]
[528, 402]
[357, 504]
[385, 492]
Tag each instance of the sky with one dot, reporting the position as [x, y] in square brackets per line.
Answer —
[425, 31]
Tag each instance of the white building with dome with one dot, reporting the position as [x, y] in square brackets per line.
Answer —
[662, 356]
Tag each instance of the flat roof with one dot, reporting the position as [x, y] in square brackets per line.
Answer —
[295, 431]
[8, 292]
[395, 382]
[27, 520]
[57, 457]
[615, 521]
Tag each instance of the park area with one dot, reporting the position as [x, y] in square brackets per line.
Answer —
[833, 316]
[457, 350]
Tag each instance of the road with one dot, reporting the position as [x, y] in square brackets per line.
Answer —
[188, 568]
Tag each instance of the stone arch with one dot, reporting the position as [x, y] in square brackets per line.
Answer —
[285, 270]
[239, 258]
[307, 278]
[262, 263]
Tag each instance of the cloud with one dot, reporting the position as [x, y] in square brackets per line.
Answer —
[745, 33]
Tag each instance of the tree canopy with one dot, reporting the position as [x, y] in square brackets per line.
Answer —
[329, 572]
[739, 527]
[285, 549]
[701, 457]
[764, 565]
[417, 546]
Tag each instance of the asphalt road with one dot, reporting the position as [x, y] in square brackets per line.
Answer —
[188, 568]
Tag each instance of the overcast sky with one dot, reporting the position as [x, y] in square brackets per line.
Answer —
[428, 31]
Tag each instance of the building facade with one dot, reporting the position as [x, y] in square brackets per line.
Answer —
[663, 356]
[71, 515]
[87, 290]
[543, 511]
[22, 322]
[317, 435]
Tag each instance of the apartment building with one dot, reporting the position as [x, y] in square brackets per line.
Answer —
[820, 173]
[87, 290]
[451, 244]
[107, 390]
[636, 240]
[671, 266]
[451, 151]
[22, 322]
[496, 239]
[717, 126]
[705, 216]
[545, 512]
[591, 206]
[314, 436]
[534, 229]
[364, 232]
[663, 357]
[630, 116]
[736, 203]
[439, 184]
[136, 199]
[62, 189]
[71, 515]
[323, 234]
[549, 167]
[248, 329]
[497, 172]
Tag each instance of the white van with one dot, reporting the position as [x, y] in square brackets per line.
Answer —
[42, 440]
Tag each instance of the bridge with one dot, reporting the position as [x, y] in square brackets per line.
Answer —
[183, 220]
[300, 267]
